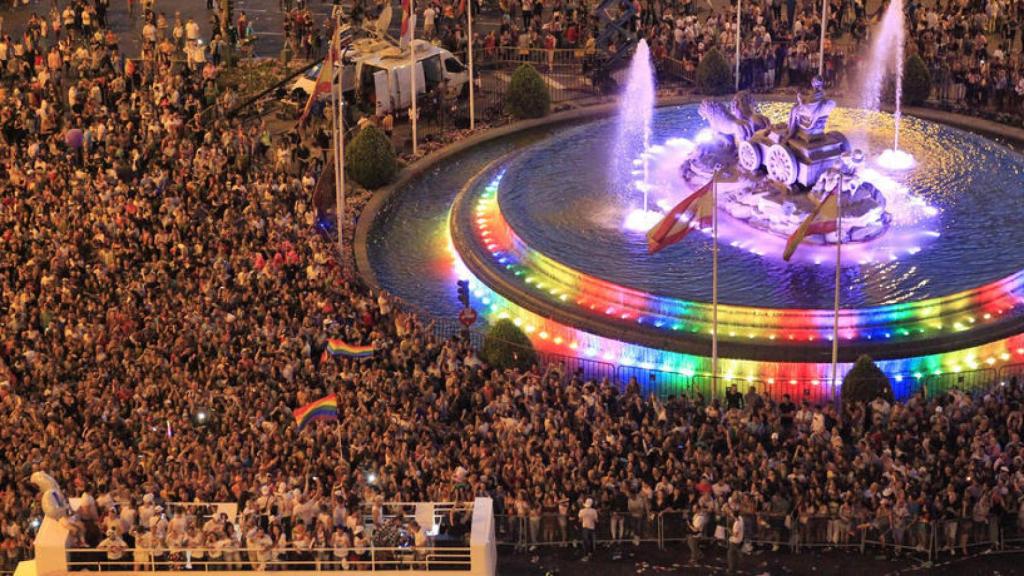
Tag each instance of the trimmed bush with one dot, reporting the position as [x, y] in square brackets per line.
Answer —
[865, 382]
[505, 346]
[917, 80]
[370, 158]
[714, 75]
[527, 95]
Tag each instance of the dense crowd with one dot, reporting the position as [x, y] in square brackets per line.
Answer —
[166, 303]
[971, 46]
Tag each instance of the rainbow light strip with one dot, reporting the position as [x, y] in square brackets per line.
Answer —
[909, 321]
[905, 320]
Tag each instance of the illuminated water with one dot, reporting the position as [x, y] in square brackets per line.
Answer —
[885, 58]
[557, 201]
[633, 134]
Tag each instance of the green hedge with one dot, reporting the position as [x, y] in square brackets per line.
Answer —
[527, 95]
[865, 382]
[370, 158]
[505, 346]
[917, 81]
[714, 75]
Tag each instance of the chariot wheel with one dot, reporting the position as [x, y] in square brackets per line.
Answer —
[749, 156]
[781, 165]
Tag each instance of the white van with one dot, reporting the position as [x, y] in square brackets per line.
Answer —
[377, 71]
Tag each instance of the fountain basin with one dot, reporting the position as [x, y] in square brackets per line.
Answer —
[956, 274]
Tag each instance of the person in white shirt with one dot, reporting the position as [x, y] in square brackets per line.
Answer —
[735, 540]
[115, 547]
[429, 17]
[259, 544]
[340, 542]
[147, 510]
[192, 31]
[112, 521]
[420, 541]
[588, 521]
[196, 547]
[145, 547]
[697, 524]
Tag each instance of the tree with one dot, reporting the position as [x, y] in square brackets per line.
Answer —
[505, 346]
[917, 81]
[370, 158]
[527, 95]
[714, 75]
[865, 382]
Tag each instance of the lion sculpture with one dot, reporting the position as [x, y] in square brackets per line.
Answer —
[738, 119]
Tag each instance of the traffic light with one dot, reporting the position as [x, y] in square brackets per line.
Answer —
[464, 292]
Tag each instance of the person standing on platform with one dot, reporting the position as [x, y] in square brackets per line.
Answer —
[735, 540]
[588, 521]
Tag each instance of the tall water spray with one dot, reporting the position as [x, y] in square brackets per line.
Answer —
[886, 57]
[636, 107]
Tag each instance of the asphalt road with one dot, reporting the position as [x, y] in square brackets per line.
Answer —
[650, 561]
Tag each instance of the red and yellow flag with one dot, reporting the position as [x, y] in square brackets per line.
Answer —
[695, 211]
[408, 24]
[323, 79]
[823, 220]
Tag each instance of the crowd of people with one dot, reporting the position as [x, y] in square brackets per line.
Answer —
[971, 47]
[166, 305]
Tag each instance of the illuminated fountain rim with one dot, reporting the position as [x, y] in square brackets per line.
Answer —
[500, 258]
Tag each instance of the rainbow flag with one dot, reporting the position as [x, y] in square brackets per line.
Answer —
[325, 408]
[340, 348]
[696, 210]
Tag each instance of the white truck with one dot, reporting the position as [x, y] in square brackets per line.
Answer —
[376, 71]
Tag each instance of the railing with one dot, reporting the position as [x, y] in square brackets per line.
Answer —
[1012, 374]
[525, 532]
[310, 559]
[792, 532]
[437, 512]
[967, 381]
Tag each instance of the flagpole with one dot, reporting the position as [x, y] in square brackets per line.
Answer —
[338, 97]
[839, 256]
[472, 103]
[714, 281]
[739, 4]
[412, 70]
[824, 31]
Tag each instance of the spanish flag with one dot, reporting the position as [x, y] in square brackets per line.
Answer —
[823, 220]
[408, 29]
[695, 211]
[323, 78]
[325, 408]
[323, 86]
[340, 348]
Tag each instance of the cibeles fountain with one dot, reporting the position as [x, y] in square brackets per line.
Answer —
[550, 228]
[771, 177]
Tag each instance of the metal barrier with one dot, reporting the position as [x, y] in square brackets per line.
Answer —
[959, 535]
[658, 382]
[1012, 373]
[584, 368]
[967, 381]
[916, 537]
[554, 530]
